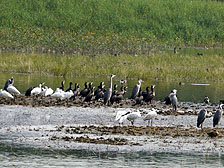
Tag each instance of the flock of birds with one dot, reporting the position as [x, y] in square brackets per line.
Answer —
[110, 96]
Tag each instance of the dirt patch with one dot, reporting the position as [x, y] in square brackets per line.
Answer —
[184, 108]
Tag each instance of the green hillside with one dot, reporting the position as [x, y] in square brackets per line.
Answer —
[99, 26]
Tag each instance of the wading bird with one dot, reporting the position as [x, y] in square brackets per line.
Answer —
[151, 114]
[173, 99]
[201, 117]
[108, 93]
[218, 115]
[128, 114]
[136, 89]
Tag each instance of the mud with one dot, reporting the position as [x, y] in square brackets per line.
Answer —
[184, 108]
[94, 128]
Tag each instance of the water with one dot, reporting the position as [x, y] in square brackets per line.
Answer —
[14, 154]
[19, 156]
[186, 92]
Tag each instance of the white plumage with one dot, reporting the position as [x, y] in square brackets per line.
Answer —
[48, 92]
[6, 94]
[61, 94]
[120, 116]
[58, 93]
[36, 90]
[67, 95]
[151, 114]
[129, 115]
[12, 89]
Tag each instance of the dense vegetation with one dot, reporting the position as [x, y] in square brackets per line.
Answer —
[156, 66]
[104, 26]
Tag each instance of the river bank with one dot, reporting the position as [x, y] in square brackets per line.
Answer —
[94, 128]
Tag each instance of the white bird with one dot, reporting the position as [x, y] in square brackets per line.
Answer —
[121, 116]
[58, 93]
[37, 90]
[127, 114]
[151, 114]
[12, 89]
[132, 116]
[68, 94]
[48, 91]
[5, 94]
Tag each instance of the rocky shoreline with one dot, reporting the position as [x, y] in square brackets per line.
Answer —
[188, 108]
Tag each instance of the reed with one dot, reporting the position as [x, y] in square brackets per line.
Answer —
[159, 66]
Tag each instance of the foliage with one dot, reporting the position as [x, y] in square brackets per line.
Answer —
[113, 27]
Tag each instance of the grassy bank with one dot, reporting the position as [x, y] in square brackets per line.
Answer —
[103, 26]
[156, 66]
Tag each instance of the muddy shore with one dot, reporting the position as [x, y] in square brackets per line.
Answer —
[91, 126]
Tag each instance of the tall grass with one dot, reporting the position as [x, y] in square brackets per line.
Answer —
[103, 26]
[156, 66]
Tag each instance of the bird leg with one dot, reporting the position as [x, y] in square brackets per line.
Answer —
[132, 122]
[151, 122]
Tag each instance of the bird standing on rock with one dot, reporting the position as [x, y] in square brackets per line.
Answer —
[201, 117]
[136, 89]
[150, 94]
[108, 93]
[128, 114]
[173, 99]
[218, 115]
[206, 100]
[151, 114]
[37, 90]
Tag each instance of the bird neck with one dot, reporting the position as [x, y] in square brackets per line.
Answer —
[111, 82]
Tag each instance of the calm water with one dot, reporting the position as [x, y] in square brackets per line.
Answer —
[186, 92]
[12, 155]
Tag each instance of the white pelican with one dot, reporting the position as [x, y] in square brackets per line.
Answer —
[6, 94]
[12, 89]
[151, 114]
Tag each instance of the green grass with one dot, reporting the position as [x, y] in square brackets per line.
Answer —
[103, 26]
[160, 66]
